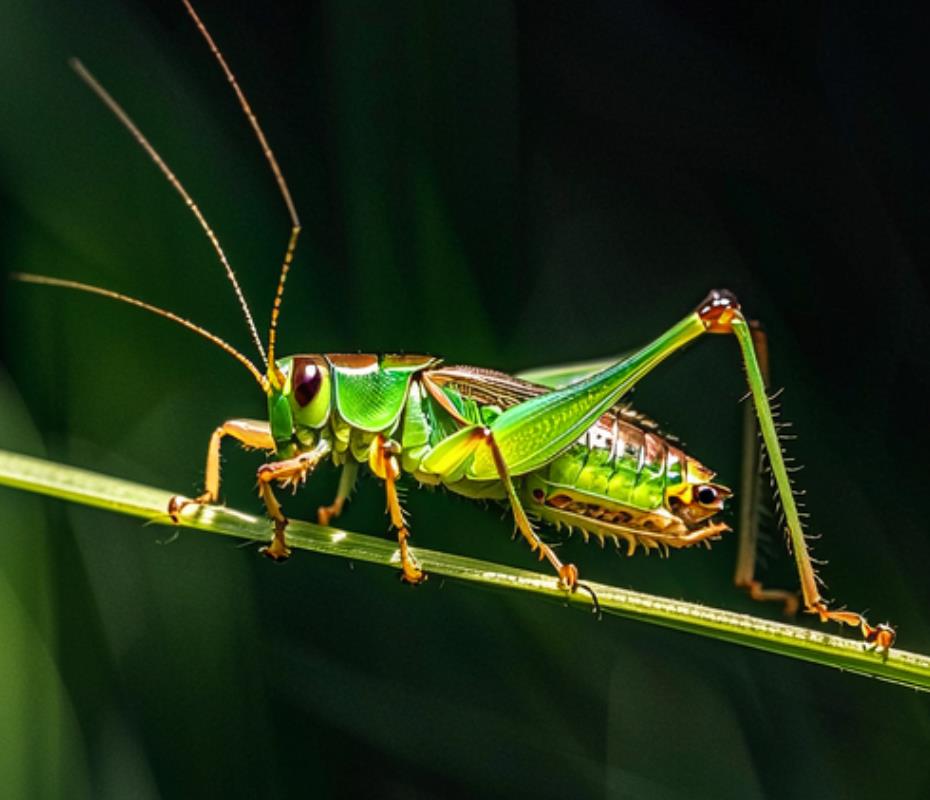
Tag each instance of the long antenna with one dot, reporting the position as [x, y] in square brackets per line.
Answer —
[279, 179]
[124, 118]
[26, 277]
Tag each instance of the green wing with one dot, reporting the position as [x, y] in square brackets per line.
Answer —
[555, 377]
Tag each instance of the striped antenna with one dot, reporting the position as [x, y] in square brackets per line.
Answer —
[279, 179]
[124, 118]
[44, 280]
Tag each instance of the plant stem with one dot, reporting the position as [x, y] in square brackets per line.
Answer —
[113, 494]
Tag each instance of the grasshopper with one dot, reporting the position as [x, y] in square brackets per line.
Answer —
[558, 446]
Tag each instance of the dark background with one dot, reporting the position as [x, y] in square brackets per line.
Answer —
[507, 185]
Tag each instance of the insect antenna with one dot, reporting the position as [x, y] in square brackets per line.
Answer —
[105, 97]
[279, 179]
[44, 280]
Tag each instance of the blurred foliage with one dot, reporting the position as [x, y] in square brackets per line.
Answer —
[506, 185]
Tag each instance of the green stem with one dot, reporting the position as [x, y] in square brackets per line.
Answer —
[101, 491]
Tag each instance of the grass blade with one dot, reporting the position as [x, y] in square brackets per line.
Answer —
[114, 494]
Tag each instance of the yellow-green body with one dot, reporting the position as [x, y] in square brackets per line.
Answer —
[582, 459]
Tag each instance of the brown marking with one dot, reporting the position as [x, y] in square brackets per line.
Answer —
[655, 450]
[492, 387]
[427, 379]
[352, 360]
[648, 521]
[559, 500]
[648, 539]
[718, 311]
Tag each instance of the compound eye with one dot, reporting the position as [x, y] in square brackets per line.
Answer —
[306, 382]
[310, 391]
[707, 495]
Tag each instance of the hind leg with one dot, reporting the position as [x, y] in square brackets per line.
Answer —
[751, 494]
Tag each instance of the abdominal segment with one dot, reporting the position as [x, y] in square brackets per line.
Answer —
[620, 481]
[627, 485]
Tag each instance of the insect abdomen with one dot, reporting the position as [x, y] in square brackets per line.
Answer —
[621, 464]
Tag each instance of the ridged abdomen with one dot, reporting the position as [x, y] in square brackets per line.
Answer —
[615, 464]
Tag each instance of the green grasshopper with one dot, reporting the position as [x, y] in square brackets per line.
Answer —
[559, 446]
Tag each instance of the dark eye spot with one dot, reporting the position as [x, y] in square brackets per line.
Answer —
[706, 495]
[307, 381]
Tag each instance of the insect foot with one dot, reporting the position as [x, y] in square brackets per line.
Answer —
[879, 638]
[277, 550]
[568, 579]
[326, 514]
[568, 576]
[267, 473]
[412, 574]
[410, 569]
[178, 503]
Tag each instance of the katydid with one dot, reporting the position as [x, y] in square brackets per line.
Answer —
[561, 447]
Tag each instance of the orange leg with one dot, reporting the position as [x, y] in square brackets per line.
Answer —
[325, 514]
[291, 472]
[250, 433]
[383, 462]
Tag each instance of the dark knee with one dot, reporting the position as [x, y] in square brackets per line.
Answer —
[718, 309]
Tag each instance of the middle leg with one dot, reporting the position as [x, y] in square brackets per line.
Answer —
[383, 462]
[325, 514]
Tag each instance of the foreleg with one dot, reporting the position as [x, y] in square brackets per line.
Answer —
[290, 472]
[250, 433]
